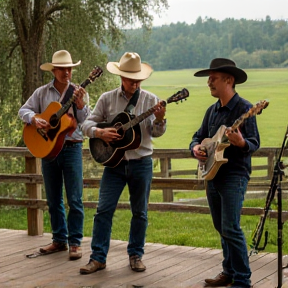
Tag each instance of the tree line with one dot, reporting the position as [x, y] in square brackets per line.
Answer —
[251, 43]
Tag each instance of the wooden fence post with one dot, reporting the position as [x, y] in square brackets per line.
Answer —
[165, 165]
[34, 215]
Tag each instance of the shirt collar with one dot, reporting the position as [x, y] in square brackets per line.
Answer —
[230, 105]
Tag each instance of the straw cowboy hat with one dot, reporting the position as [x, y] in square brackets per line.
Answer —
[61, 58]
[130, 66]
[226, 66]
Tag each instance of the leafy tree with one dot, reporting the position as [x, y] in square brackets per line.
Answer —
[32, 30]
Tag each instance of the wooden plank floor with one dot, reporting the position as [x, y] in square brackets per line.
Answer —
[167, 266]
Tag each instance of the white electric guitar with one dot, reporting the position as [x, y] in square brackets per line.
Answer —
[214, 147]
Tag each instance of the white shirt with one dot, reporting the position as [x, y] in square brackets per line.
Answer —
[111, 103]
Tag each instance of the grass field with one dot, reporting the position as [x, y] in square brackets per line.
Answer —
[183, 120]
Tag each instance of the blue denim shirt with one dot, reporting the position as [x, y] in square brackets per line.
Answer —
[239, 159]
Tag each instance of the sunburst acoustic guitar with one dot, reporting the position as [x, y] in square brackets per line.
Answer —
[110, 154]
[47, 145]
[214, 147]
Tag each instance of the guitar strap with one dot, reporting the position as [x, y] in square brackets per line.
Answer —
[132, 102]
[67, 96]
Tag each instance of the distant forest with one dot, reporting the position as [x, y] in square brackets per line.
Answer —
[250, 43]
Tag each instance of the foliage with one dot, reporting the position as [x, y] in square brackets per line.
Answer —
[33, 30]
[251, 43]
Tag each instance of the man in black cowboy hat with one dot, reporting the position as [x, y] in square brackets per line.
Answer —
[225, 192]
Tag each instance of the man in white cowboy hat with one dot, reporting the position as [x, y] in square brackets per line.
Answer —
[225, 192]
[66, 168]
[136, 167]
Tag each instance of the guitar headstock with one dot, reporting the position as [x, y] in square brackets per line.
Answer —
[95, 73]
[258, 107]
[178, 96]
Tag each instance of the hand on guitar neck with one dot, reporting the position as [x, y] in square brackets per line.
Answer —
[160, 112]
[79, 94]
[235, 137]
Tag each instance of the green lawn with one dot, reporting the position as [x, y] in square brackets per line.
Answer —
[185, 118]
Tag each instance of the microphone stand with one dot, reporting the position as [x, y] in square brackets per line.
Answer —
[278, 171]
[275, 185]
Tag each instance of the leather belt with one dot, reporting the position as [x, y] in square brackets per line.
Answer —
[137, 159]
[70, 143]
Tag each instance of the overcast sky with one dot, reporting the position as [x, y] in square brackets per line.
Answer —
[189, 10]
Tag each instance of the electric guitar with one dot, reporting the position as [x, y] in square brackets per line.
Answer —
[214, 147]
[48, 144]
[110, 154]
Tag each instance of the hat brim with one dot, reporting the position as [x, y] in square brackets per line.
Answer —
[239, 75]
[51, 66]
[146, 70]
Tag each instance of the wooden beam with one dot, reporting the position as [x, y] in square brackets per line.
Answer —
[164, 207]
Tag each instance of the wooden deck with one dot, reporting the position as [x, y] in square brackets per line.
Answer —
[167, 266]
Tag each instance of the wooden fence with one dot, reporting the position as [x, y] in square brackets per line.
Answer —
[165, 178]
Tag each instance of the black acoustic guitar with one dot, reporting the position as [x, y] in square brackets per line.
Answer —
[126, 125]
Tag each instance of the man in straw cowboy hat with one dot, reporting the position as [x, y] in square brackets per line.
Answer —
[67, 166]
[136, 167]
[225, 192]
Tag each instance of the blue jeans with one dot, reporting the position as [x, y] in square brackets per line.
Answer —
[65, 168]
[138, 175]
[225, 200]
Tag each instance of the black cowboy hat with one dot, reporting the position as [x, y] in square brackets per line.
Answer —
[227, 66]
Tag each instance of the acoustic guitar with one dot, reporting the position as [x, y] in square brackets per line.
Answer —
[214, 147]
[48, 144]
[110, 154]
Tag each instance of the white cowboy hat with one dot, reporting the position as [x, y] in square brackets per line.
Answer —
[130, 66]
[61, 58]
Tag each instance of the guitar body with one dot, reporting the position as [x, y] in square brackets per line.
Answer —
[49, 145]
[111, 154]
[215, 147]
[126, 125]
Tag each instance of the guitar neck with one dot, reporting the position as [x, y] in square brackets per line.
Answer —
[67, 105]
[239, 121]
[254, 110]
[142, 116]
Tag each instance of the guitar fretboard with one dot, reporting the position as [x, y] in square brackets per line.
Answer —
[254, 110]
[142, 116]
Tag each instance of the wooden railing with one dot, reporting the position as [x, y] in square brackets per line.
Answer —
[165, 178]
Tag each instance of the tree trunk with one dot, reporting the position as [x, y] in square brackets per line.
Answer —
[29, 21]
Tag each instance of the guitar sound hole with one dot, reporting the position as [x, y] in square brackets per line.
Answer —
[54, 120]
[120, 132]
